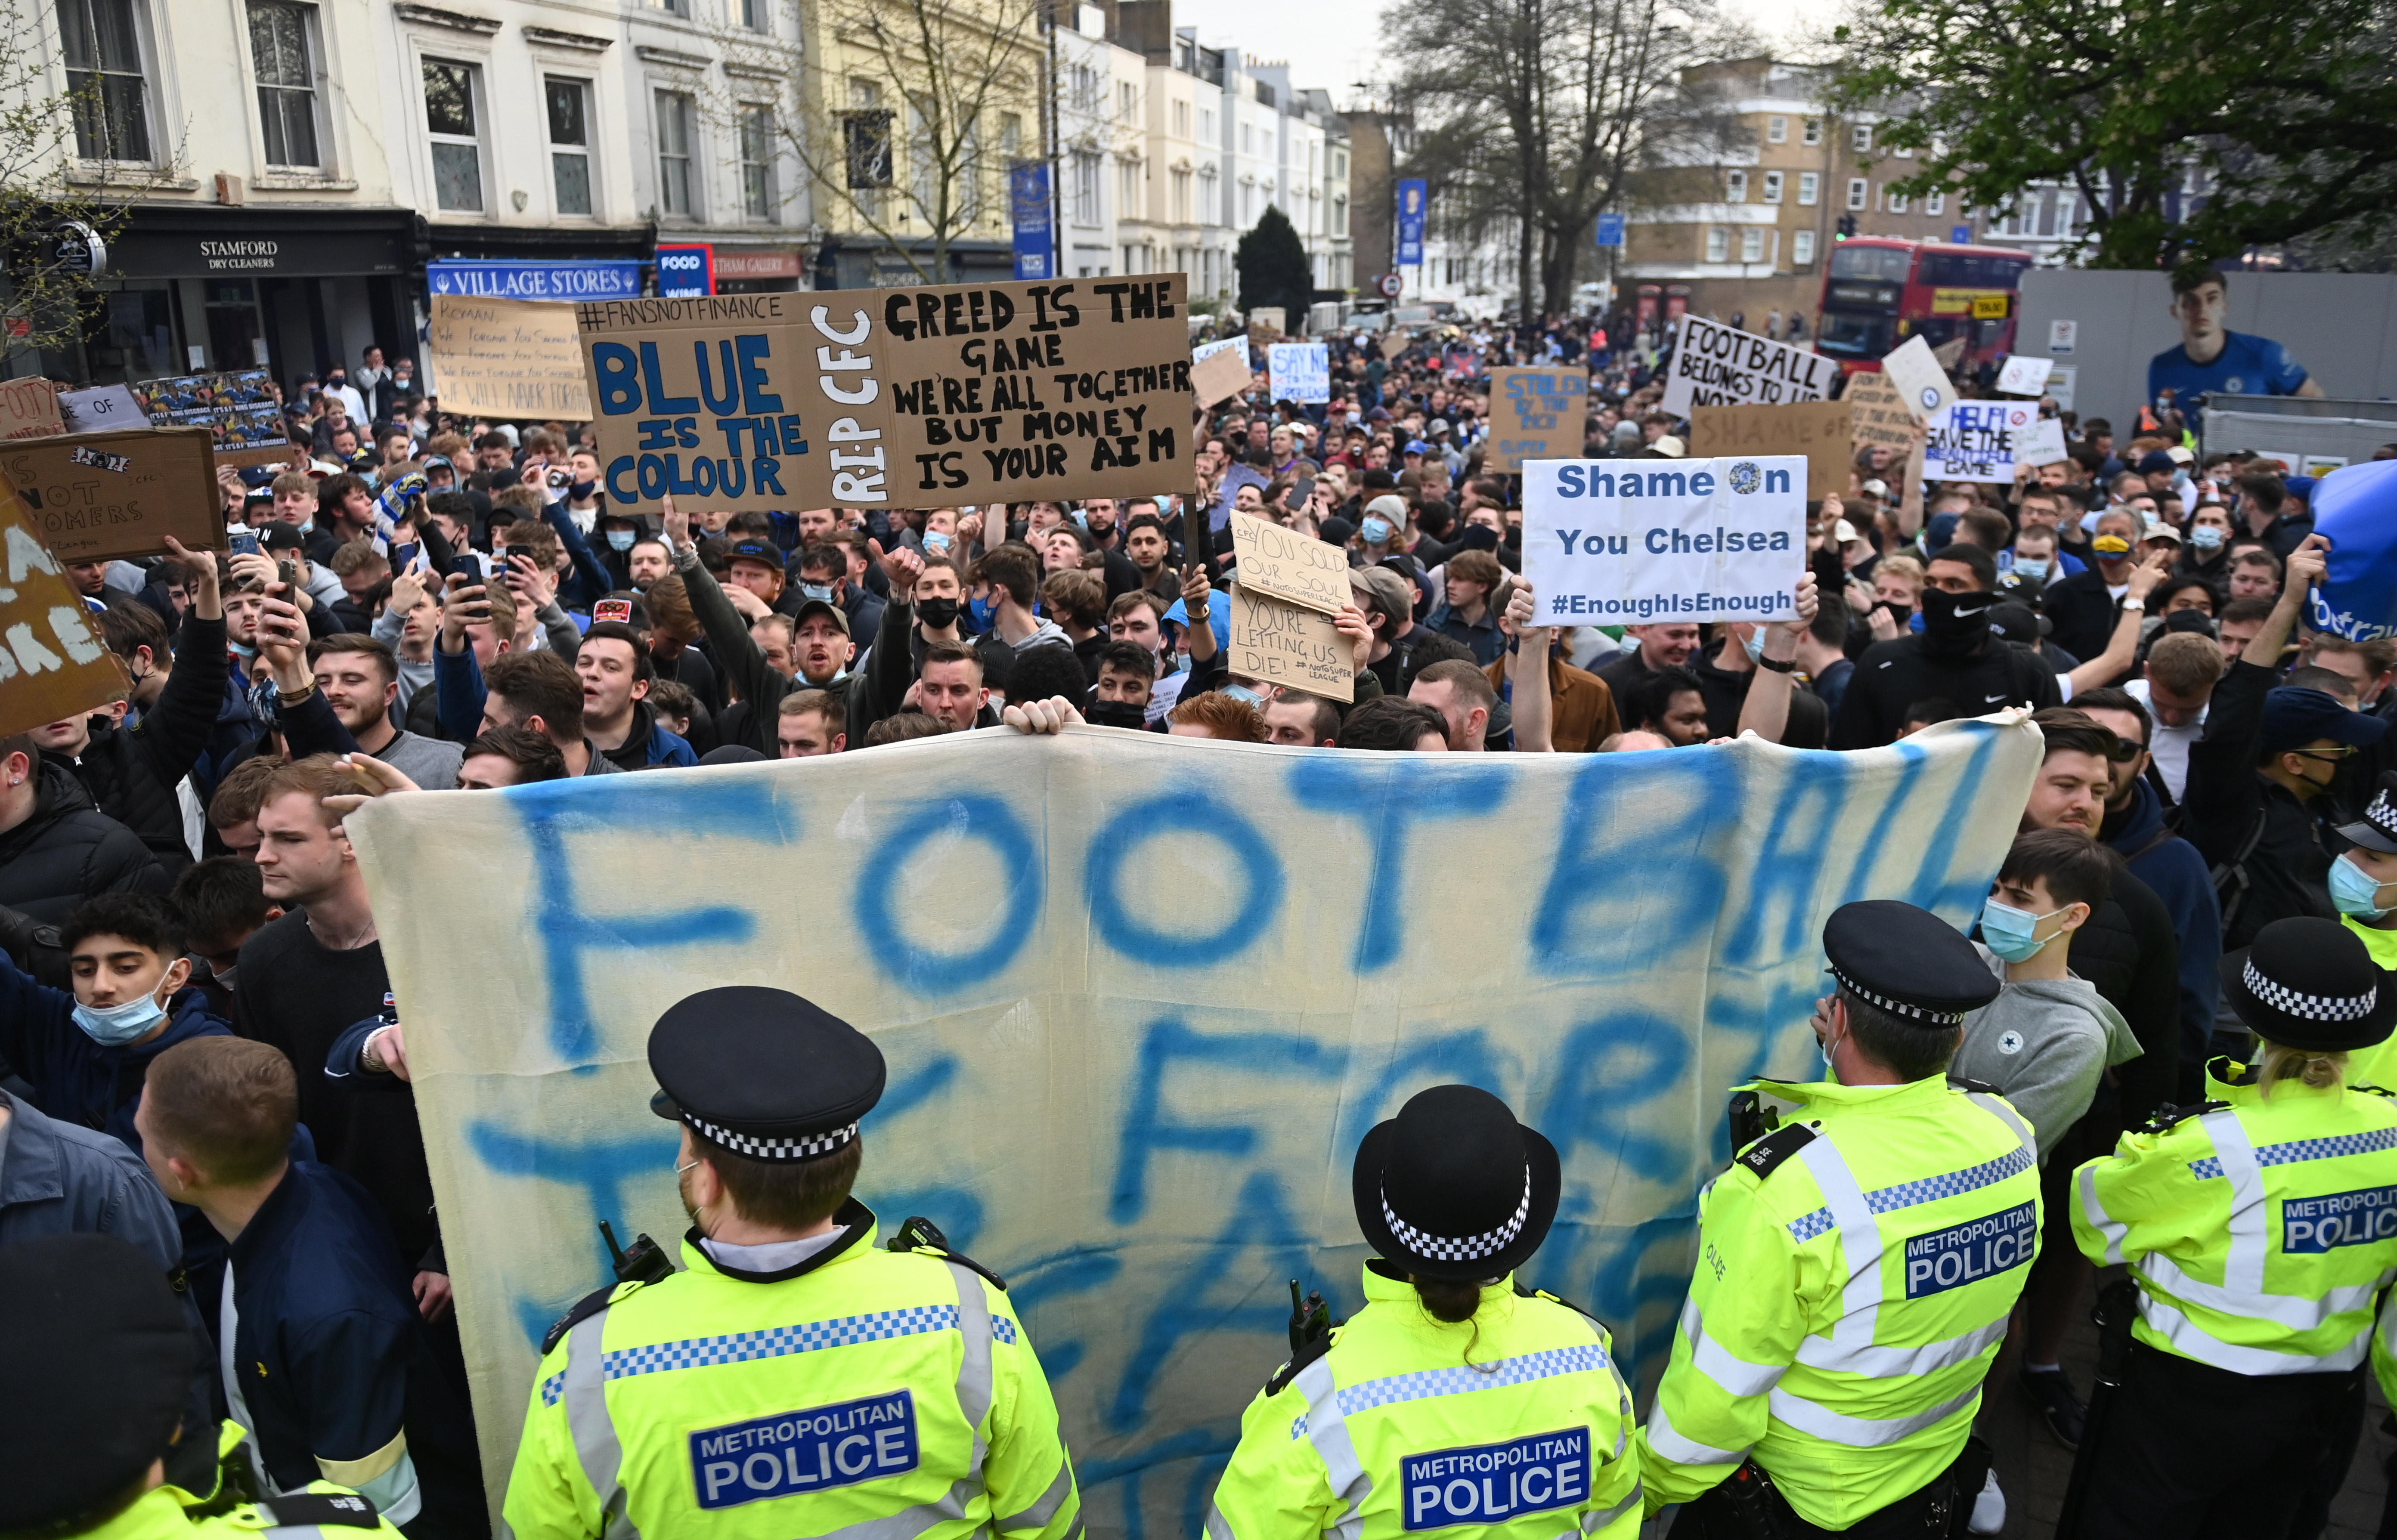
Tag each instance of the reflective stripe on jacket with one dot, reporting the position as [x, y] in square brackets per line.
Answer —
[1847, 1303]
[2258, 1232]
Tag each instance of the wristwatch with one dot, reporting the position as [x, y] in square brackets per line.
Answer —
[1788, 667]
[2135, 604]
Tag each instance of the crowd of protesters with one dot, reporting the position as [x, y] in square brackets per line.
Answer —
[420, 602]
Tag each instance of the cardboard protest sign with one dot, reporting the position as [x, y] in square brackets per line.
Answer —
[1276, 643]
[2025, 374]
[507, 357]
[1300, 371]
[1617, 542]
[53, 664]
[1536, 414]
[1145, 1114]
[100, 409]
[702, 398]
[1877, 414]
[1205, 351]
[1290, 566]
[1818, 430]
[1921, 382]
[1975, 440]
[1715, 365]
[29, 409]
[1273, 318]
[2042, 444]
[1218, 374]
[96, 496]
[1952, 353]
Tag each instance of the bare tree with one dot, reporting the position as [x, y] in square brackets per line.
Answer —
[1537, 114]
[906, 113]
[66, 159]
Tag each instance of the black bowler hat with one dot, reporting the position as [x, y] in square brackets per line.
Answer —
[2310, 983]
[1907, 961]
[1454, 1187]
[101, 1356]
[763, 1073]
[2376, 830]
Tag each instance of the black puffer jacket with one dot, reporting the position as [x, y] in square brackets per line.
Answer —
[68, 850]
[132, 772]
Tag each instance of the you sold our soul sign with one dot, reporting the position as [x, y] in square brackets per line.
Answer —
[971, 393]
[1615, 541]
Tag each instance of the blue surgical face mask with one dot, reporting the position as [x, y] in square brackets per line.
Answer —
[2205, 537]
[2355, 890]
[1754, 642]
[816, 590]
[2031, 569]
[114, 1027]
[937, 542]
[1376, 530]
[1242, 692]
[980, 610]
[621, 540]
[2011, 932]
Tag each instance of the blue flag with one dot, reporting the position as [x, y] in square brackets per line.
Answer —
[2356, 507]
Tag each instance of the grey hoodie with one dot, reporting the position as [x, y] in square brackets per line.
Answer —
[2043, 1043]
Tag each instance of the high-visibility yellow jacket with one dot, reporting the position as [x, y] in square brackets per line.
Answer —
[863, 1393]
[2258, 1232]
[1516, 1424]
[2376, 1065]
[1856, 1270]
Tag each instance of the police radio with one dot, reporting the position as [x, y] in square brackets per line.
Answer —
[645, 1262]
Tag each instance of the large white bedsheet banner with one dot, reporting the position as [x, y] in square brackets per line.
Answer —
[1141, 997]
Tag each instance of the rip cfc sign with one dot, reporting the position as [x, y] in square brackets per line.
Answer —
[1971, 1251]
[1490, 1483]
[812, 1450]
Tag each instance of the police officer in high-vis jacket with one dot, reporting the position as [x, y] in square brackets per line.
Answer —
[797, 1378]
[1456, 1396]
[1856, 1267]
[99, 1360]
[2258, 1227]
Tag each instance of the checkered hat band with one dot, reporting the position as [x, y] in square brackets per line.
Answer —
[807, 1147]
[1441, 1248]
[2381, 814]
[1898, 1008]
[2312, 1008]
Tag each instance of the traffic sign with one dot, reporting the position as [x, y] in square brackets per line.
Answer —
[1390, 285]
[1610, 230]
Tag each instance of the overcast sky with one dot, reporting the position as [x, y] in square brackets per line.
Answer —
[1334, 44]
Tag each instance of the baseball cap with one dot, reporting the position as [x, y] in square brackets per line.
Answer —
[839, 616]
[756, 550]
[279, 536]
[1416, 446]
[2157, 530]
[2181, 454]
[1669, 448]
[2018, 621]
[1384, 587]
[2293, 715]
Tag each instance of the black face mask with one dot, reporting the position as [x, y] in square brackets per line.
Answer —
[1115, 714]
[1955, 625]
[937, 614]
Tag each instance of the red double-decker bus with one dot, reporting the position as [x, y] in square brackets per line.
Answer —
[1877, 292]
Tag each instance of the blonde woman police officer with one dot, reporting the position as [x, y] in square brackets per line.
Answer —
[2258, 1227]
[1456, 1398]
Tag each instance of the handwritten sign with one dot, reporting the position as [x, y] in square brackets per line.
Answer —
[1818, 430]
[100, 409]
[1922, 383]
[2025, 374]
[966, 394]
[1715, 365]
[1290, 566]
[1205, 351]
[518, 358]
[2042, 444]
[1220, 373]
[29, 409]
[1276, 643]
[1300, 371]
[51, 655]
[94, 497]
[1877, 414]
[1536, 414]
[1975, 440]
